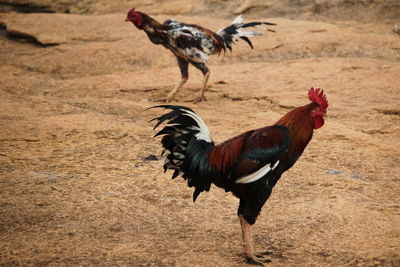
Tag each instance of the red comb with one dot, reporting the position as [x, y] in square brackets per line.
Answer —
[317, 95]
[132, 10]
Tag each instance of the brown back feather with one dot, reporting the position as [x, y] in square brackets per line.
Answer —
[223, 156]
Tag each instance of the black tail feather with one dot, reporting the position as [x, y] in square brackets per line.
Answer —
[247, 40]
[231, 33]
[256, 23]
[186, 141]
[175, 174]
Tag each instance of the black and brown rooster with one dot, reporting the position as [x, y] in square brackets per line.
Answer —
[248, 165]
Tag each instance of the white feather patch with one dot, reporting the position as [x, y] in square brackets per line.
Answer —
[248, 33]
[238, 20]
[257, 174]
[203, 133]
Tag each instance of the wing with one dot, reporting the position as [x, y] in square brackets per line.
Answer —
[190, 41]
[252, 155]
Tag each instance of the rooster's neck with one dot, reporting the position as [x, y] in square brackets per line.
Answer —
[301, 126]
[149, 24]
[154, 30]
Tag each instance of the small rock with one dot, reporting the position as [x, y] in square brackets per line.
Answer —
[396, 29]
[221, 82]
[333, 172]
[117, 193]
[151, 157]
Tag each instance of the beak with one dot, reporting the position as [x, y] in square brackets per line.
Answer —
[126, 19]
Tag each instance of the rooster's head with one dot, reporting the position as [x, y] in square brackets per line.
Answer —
[135, 17]
[318, 97]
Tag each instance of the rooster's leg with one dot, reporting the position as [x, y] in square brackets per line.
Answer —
[203, 88]
[183, 66]
[206, 72]
[248, 243]
[175, 90]
[248, 211]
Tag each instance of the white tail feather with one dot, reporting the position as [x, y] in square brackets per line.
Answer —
[204, 133]
[248, 33]
[238, 20]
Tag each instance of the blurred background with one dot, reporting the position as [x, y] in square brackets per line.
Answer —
[362, 10]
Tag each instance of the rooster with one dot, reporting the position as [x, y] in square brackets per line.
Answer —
[248, 165]
[191, 43]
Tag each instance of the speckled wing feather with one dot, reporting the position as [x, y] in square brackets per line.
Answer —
[190, 41]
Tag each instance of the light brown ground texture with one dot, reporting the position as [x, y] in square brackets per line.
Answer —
[76, 188]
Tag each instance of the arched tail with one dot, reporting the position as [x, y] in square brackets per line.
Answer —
[186, 142]
[236, 30]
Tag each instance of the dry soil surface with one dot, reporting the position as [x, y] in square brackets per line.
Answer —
[79, 181]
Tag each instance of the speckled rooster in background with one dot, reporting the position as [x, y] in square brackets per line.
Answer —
[191, 43]
[248, 165]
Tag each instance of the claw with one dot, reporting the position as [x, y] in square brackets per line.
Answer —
[255, 261]
[199, 99]
[169, 99]
[263, 254]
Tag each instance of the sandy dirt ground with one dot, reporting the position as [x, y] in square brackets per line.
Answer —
[77, 185]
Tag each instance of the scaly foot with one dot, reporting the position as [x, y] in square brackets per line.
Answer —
[254, 260]
[169, 99]
[199, 99]
[259, 259]
[263, 254]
